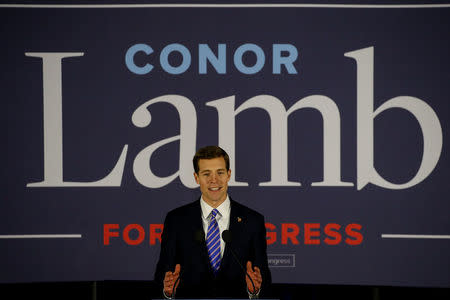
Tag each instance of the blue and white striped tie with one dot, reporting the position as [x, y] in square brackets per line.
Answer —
[213, 242]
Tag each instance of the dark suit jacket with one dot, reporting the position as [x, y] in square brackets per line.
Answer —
[181, 245]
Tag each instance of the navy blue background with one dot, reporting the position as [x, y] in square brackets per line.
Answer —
[100, 94]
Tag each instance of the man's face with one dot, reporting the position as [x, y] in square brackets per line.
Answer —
[213, 179]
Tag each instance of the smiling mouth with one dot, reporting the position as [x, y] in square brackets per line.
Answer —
[214, 189]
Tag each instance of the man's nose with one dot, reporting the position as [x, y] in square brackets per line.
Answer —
[213, 178]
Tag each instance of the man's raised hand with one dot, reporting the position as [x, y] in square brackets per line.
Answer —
[255, 274]
[169, 280]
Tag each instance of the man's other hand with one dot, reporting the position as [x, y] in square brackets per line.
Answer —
[169, 280]
[255, 274]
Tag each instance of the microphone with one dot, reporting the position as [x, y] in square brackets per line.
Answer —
[226, 236]
[199, 236]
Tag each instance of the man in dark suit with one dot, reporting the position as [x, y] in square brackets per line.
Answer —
[194, 260]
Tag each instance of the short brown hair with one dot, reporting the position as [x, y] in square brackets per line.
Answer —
[210, 152]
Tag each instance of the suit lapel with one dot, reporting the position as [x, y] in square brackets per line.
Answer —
[236, 230]
[203, 252]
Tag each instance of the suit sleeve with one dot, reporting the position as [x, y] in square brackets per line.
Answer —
[167, 254]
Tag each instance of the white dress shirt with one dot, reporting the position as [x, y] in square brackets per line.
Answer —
[222, 218]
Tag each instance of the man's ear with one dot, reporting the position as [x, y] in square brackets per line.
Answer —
[196, 178]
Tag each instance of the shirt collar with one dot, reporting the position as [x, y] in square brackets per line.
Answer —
[224, 208]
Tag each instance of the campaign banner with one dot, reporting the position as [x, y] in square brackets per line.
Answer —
[336, 118]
